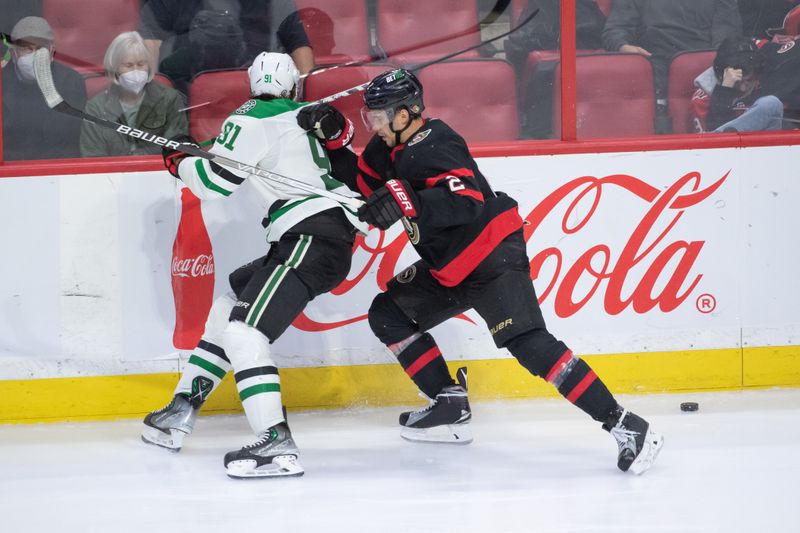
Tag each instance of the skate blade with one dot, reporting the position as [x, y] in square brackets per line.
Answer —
[652, 445]
[451, 434]
[172, 441]
[281, 466]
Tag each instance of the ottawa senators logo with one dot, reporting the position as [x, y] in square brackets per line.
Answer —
[419, 137]
[786, 47]
[412, 229]
[407, 275]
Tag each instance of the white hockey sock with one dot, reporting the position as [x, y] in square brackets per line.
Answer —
[256, 375]
[208, 359]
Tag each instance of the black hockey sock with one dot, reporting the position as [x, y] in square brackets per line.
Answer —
[423, 362]
[578, 383]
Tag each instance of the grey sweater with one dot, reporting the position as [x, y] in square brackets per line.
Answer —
[666, 27]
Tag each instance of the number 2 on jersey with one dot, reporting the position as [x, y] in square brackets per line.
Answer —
[229, 130]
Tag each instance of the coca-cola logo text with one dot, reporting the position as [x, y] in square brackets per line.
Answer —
[630, 276]
[202, 265]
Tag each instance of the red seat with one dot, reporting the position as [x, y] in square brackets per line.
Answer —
[683, 70]
[98, 82]
[83, 29]
[213, 96]
[404, 24]
[615, 96]
[483, 109]
[326, 83]
[791, 22]
[338, 34]
[605, 6]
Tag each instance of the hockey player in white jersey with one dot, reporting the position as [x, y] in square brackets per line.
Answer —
[311, 239]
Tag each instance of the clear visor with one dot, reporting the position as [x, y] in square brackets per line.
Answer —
[375, 119]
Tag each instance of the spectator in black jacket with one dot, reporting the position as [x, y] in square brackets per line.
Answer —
[31, 130]
[191, 36]
[659, 29]
[728, 98]
[759, 16]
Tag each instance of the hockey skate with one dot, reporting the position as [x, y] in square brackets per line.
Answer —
[274, 454]
[446, 419]
[638, 444]
[168, 426]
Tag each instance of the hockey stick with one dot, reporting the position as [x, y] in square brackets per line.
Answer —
[498, 9]
[420, 66]
[44, 78]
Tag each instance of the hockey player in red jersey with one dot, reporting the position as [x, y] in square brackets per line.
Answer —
[473, 256]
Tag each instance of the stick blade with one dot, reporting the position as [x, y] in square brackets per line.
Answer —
[44, 77]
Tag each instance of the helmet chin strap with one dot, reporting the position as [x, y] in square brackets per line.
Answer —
[398, 133]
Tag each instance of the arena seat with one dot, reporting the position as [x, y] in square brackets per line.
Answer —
[791, 22]
[477, 98]
[83, 29]
[337, 35]
[332, 81]
[98, 82]
[407, 23]
[213, 95]
[605, 6]
[615, 96]
[683, 69]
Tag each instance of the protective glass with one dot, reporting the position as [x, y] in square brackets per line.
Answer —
[375, 119]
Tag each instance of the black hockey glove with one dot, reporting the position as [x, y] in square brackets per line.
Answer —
[327, 123]
[172, 157]
[389, 204]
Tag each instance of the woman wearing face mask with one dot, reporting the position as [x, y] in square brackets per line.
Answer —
[132, 99]
[31, 130]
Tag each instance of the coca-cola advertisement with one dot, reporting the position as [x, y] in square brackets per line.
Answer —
[630, 253]
[192, 273]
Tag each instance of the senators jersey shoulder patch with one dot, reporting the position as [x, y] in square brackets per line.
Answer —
[419, 137]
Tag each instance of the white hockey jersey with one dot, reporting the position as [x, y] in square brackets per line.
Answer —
[265, 134]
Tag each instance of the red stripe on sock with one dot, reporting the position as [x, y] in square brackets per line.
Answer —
[556, 369]
[423, 360]
[581, 387]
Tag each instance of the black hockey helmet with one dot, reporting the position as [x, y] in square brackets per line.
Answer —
[739, 53]
[395, 89]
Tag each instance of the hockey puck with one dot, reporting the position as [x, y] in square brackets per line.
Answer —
[689, 407]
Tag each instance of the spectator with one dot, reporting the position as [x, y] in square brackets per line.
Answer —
[132, 99]
[728, 99]
[781, 76]
[543, 33]
[31, 130]
[13, 11]
[759, 16]
[658, 30]
[191, 36]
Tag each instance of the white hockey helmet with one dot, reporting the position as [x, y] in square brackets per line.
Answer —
[273, 74]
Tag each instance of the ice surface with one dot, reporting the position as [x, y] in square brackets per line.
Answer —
[535, 466]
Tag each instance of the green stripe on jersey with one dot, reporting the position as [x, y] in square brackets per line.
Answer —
[207, 365]
[201, 171]
[259, 389]
[283, 210]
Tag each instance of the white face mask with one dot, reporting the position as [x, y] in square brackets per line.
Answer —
[25, 67]
[133, 81]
